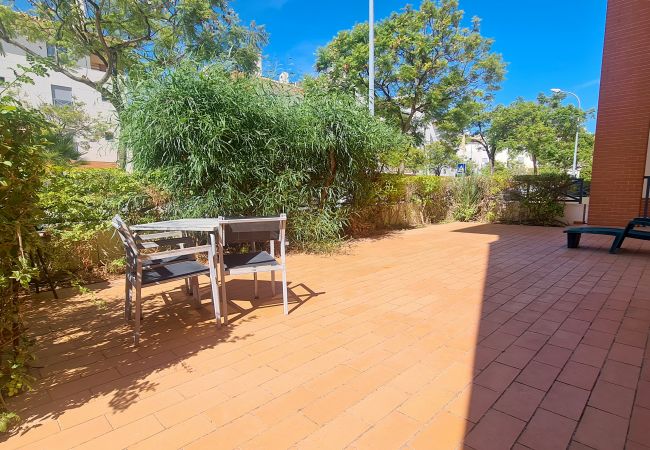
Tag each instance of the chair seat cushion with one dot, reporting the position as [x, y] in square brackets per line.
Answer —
[174, 259]
[253, 259]
[183, 269]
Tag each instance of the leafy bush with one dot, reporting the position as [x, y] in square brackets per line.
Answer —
[77, 206]
[234, 145]
[540, 197]
[23, 146]
[469, 197]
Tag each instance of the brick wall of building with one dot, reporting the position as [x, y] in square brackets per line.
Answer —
[623, 123]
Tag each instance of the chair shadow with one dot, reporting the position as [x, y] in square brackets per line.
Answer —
[85, 348]
[243, 291]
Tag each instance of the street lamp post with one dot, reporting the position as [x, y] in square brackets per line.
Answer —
[371, 57]
[575, 148]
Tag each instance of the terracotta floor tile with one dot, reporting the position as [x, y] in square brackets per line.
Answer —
[626, 354]
[590, 355]
[538, 375]
[516, 356]
[497, 376]
[520, 401]
[473, 402]
[496, 430]
[579, 375]
[547, 430]
[601, 430]
[639, 431]
[552, 355]
[565, 339]
[390, 432]
[566, 400]
[402, 364]
[612, 398]
[620, 373]
[427, 403]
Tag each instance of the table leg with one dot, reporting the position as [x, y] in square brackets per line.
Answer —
[213, 280]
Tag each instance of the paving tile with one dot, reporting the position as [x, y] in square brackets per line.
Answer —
[639, 431]
[473, 402]
[427, 402]
[282, 434]
[566, 400]
[612, 398]
[497, 376]
[531, 341]
[601, 430]
[565, 339]
[590, 355]
[446, 430]
[598, 339]
[547, 430]
[496, 430]
[519, 401]
[390, 432]
[620, 373]
[579, 375]
[538, 375]
[516, 356]
[552, 355]
[626, 354]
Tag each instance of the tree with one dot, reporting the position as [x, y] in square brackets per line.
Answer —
[427, 63]
[439, 155]
[545, 129]
[127, 36]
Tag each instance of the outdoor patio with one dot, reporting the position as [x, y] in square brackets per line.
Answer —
[490, 336]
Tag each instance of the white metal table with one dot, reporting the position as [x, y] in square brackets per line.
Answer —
[208, 225]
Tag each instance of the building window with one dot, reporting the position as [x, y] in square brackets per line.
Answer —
[61, 95]
[51, 51]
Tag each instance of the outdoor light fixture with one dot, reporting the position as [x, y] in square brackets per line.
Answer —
[371, 57]
[575, 148]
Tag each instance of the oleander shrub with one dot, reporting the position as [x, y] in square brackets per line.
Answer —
[237, 145]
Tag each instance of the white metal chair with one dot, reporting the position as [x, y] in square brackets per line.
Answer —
[251, 230]
[160, 267]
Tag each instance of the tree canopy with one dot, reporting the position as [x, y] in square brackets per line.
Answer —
[427, 63]
[127, 36]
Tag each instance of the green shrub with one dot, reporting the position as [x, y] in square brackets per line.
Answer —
[540, 197]
[23, 149]
[78, 205]
[225, 145]
[469, 198]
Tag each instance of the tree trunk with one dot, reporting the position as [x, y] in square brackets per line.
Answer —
[534, 158]
[492, 163]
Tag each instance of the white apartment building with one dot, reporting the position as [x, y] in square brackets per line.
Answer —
[57, 89]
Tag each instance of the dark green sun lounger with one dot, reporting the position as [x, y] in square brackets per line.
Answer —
[620, 234]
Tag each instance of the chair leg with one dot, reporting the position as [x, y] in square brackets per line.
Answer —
[273, 283]
[138, 311]
[616, 245]
[127, 299]
[196, 295]
[256, 286]
[224, 299]
[284, 292]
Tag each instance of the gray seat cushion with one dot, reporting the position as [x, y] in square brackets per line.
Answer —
[252, 259]
[183, 269]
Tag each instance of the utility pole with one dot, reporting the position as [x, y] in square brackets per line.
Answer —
[371, 58]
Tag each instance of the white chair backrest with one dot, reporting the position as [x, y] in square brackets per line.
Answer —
[250, 230]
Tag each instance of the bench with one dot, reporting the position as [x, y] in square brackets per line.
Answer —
[574, 234]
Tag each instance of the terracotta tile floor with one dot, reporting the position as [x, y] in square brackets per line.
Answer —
[482, 336]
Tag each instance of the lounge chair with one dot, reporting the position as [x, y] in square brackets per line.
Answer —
[620, 234]
[160, 267]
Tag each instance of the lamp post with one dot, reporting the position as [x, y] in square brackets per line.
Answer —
[575, 148]
[371, 57]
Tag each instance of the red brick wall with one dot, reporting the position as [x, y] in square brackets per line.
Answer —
[623, 122]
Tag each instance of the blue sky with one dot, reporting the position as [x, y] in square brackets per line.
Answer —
[546, 43]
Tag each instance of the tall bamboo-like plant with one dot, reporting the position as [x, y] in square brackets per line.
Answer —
[231, 145]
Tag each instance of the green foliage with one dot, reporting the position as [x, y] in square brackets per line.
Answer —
[23, 149]
[427, 64]
[7, 420]
[78, 205]
[224, 145]
[539, 196]
[128, 36]
[440, 154]
[469, 195]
